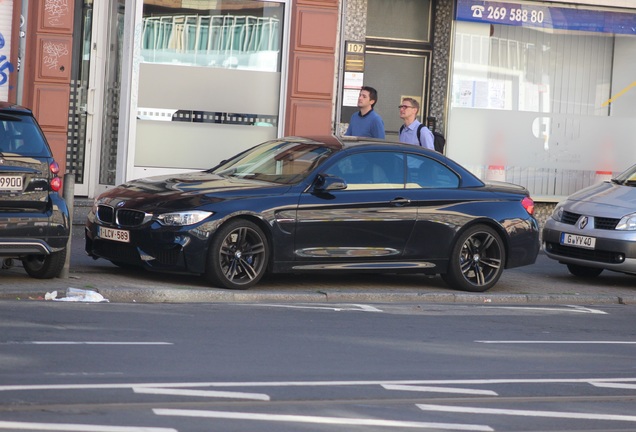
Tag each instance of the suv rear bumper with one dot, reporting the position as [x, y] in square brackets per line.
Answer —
[20, 247]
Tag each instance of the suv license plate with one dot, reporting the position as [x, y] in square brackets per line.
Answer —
[114, 234]
[578, 241]
[10, 183]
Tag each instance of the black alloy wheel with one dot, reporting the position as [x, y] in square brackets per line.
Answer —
[477, 260]
[238, 255]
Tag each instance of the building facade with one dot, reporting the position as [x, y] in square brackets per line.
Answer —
[536, 93]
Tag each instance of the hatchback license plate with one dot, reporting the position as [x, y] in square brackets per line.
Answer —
[114, 234]
[578, 241]
[10, 183]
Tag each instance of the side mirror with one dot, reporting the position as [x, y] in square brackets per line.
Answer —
[326, 182]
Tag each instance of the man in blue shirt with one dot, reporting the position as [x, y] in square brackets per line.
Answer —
[408, 133]
[366, 122]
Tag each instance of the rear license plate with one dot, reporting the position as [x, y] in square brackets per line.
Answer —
[578, 241]
[10, 183]
[114, 234]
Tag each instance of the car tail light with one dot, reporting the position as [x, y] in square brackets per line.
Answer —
[528, 204]
[56, 182]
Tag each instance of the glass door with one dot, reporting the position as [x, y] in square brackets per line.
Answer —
[93, 116]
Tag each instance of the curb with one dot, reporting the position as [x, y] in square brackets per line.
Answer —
[175, 295]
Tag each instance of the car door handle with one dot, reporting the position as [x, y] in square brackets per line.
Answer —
[400, 201]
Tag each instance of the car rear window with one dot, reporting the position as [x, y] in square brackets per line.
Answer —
[21, 136]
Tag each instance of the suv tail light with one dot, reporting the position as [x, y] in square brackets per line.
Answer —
[528, 204]
[56, 182]
[54, 167]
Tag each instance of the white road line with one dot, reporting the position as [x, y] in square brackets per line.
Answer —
[312, 383]
[347, 307]
[89, 343]
[318, 419]
[570, 308]
[78, 427]
[615, 385]
[439, 389]
[201, 393]
[526, 413]
[556, 342]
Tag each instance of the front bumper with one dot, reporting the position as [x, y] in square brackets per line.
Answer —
[614, 250]
[154, 247]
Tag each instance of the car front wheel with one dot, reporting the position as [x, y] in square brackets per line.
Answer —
[45, 266]
[238, 255]
[587, 272]
[477, 260]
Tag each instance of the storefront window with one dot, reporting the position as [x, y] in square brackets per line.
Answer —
[542, 96]
[209, 82]
[239, 35]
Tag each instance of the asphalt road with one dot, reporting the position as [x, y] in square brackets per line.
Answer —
[544, 282]
[322, 367]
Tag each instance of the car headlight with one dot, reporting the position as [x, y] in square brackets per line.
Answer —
[183, 218]
[557, 214]
[627, 223]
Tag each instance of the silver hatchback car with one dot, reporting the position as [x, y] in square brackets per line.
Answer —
[595, 228]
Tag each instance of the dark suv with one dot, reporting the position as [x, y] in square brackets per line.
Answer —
[34, 219]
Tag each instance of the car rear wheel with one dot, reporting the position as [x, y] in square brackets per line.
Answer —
[45, 266]
[238, 255]
[581, 271]
[477, 260]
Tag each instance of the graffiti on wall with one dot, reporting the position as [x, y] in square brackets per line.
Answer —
[5, 65]
[52, 53]
[55, 11]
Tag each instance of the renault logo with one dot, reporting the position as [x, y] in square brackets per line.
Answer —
[583, 222]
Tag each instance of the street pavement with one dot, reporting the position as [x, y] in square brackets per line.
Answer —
[545, 282]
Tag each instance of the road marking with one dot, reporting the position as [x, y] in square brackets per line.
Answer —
[555, 342]
[88, 343]
[348, 307]
[78, 427]
[312, 383]
[570, 308]
[201, 393]
[526, 413]
[318, 419]
[615, 385]
[439, 389]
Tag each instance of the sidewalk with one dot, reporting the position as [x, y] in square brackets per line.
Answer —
[545, 282]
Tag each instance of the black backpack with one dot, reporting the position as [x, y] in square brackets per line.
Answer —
[438, 139]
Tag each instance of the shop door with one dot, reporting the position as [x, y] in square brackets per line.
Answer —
[398, 55]
[94, 112]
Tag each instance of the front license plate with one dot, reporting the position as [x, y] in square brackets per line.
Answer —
[10, 183]
[114, 234]
[578, 241]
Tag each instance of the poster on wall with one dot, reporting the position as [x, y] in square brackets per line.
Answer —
[6, 68]
[353, 79]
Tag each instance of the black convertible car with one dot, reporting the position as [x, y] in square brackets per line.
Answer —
[319, 204]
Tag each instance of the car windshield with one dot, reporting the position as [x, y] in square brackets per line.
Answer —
[627, 178]
[277, 161]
